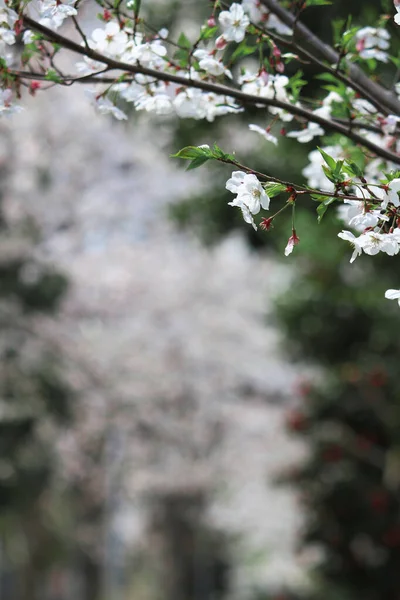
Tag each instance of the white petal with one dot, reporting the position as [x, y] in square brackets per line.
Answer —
[392, 294]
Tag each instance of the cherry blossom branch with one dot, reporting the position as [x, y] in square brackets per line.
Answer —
[326, 68]
[290, 43]
[219, 89]
[68, 80]
[382, 96]
[298, 189]
[80, 31]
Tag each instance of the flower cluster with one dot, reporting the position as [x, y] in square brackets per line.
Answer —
[238, 60]
[54, 12]
[372, 42]
[250, 195]
[8, 18]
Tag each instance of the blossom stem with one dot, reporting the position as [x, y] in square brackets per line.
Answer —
[297, 189]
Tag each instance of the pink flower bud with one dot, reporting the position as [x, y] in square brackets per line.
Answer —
[211, 22]
[34, 85]
[18, 26]
[220, 42]
[292, 242]
[276, 52]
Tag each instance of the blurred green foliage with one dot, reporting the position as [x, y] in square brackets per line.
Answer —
[334, 316]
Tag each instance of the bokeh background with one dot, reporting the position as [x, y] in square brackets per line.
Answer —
[185, 414]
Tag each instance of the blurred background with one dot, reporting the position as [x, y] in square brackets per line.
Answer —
[185, 414]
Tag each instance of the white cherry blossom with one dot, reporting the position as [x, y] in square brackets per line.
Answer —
[372, 43]
[6, 103]
[265, 133]
[358, 214]
[159, 103]
[256, 11]
[307, 134]
[28, 36]
[111, 40]
[7, 38]
[211, 62]
[389, 124]
[8, 16]
[54, 12]
[273, 22]
[189, 103]
[217, 106]
[234, 23]
[267, 86]
[397, 15]
[373, 242]
[105, 106]
[251, 196]
[259, 14]
[354, 241]
[149, 54]
[393, 295]
[392, 195]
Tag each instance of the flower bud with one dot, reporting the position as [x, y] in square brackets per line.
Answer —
[292, 242]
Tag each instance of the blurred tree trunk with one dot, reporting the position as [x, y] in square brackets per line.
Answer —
[188, 557]
[28, 582]
[91, 575]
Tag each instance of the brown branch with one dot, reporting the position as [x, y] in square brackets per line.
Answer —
[93, 78]
[290, 43]
[219, 89]
[79, 30]
[69, 79]
[382, 96]
[299, 189]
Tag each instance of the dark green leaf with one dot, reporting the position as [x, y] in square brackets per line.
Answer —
[328, 159]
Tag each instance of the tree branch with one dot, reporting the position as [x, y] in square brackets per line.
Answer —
[290, 43]
[382, 96]
[222, 90]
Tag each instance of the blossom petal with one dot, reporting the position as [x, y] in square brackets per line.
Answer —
[392, 294]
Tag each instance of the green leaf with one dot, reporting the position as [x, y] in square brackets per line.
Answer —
[208, 32]
[337, 29]
[52, 75]
[191, 152]
[349, 35]
[200, 154]
[318, 2]
[220, 154]
[296, 83]
[323, 207]
[184, 42]
[352, 169]
[331, 175]
[273, 189]
[395, 61]
[338, 168]
[243, 50]
[197, 162]
[331, 162]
